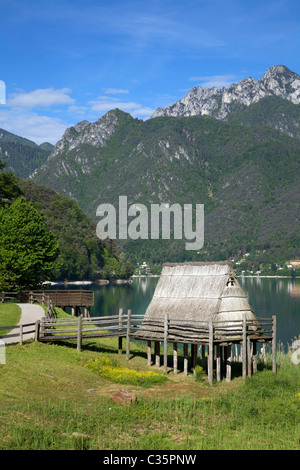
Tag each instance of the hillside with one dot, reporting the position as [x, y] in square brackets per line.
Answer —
[22, 155]
[82, 254]
[246, 175]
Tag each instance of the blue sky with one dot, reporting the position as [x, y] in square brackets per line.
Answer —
[64, 61]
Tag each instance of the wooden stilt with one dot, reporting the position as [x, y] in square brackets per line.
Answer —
[203, 356]
[157, 353]
[228, 363]
[185, 358]
[264, 353]
[254, 357]
[194, 355]
[218, 368]
[148, 353]
[244, 348]
[166, 344]
[224, 360]
[210, 353]
[249, 361]
[175, 358]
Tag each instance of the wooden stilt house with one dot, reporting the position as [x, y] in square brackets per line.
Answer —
[201, 304]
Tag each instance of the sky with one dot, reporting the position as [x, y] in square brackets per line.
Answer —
[64, 61]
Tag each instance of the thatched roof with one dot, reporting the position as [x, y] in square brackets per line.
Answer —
[197, 292]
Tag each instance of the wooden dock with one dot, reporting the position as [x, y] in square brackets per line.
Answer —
[55, 298]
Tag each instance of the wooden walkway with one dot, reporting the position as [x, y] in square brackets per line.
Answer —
[215, 338]
[55, 298]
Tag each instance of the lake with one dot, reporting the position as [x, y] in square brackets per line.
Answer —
[267, 297]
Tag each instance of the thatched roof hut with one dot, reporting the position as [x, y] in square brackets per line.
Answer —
[197, 292]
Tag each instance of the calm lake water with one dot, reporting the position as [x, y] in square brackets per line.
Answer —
[267, 296]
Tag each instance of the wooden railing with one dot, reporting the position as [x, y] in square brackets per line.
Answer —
[59, 298]
[19, 331]
[66, 298]
[211, 334]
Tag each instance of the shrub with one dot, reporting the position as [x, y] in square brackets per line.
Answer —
[199, 373]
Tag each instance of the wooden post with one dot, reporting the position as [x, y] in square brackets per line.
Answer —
[21, 334]
[249, 362]
[218, 368]
[166, 343]
[263, 352]
[274, 344]
[157, 353]
[244, 347]
[37, 330]
[254, 357]
[203, 356]
[127, 335]
[79, 333]
[210, 362]
[120, 348]
[185, 358]
[228, 362]
[175, 358]
[73, 311]
[223, 360]
[194, 355]
[148, 353]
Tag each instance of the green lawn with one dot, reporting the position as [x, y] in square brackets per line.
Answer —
[50, 400]
[10, 315]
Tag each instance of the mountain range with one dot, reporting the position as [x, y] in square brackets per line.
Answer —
[277, 81]
[235, 150]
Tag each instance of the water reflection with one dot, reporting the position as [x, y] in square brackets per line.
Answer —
[267, 297]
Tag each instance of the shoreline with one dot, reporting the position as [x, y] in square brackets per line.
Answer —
[104, 282]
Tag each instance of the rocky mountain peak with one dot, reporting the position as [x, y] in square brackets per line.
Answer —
[218, 103]
[84, 132]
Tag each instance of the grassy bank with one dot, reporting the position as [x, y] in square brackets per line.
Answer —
[10, 314]
[50, 399]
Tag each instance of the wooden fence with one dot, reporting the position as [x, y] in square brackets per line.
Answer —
[217, 337]
[20, 331]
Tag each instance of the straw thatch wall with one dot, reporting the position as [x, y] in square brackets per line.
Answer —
[197, 292]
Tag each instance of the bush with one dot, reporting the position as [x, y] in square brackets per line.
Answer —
[199, 373]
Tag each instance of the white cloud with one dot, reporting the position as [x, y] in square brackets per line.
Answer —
[218, 81]
[41, 97]
[32, 126]
[104, 104]
[115, 91]
[21, 114]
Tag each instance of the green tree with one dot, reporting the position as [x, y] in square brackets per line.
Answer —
[28, 250]
[9, 188]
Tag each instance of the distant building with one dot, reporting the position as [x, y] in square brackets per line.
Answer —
[294, 263]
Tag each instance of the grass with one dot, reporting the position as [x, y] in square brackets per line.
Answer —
[10, 314]
[49, 400]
